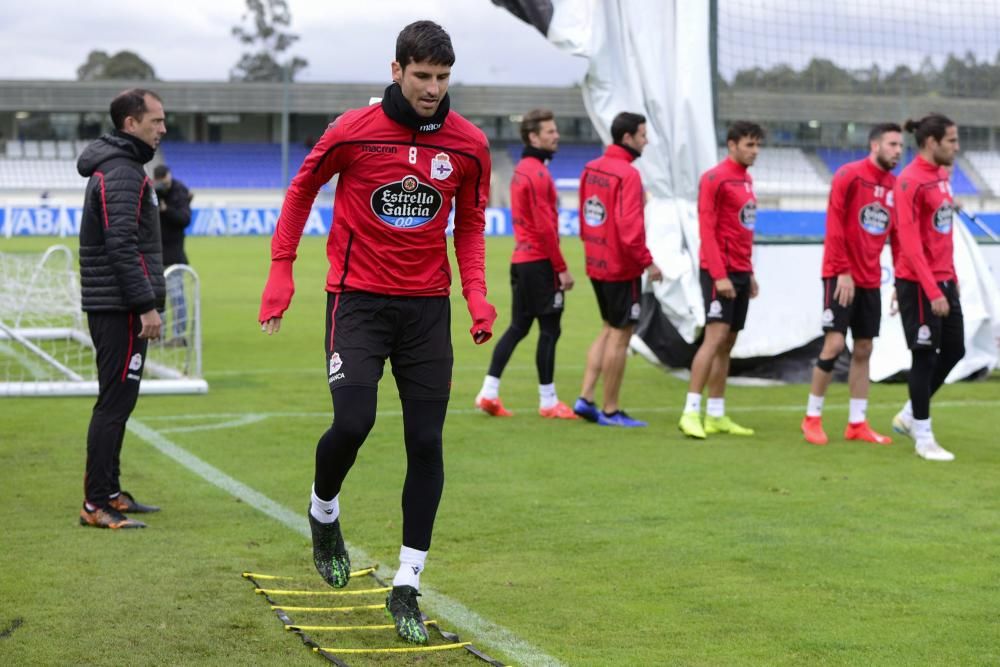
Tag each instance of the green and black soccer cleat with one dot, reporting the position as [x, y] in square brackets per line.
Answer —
[401, 604]
[329, 552]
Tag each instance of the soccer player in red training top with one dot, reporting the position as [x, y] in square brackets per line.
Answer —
[401, 163]
[613, 229]
[858, 219]
[727, 213]
[926, 283]
[538, 273]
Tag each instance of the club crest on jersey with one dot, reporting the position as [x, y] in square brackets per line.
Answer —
[943, 218]
[715, 308]
[135, 363]
[924, 334]
[874, 218]
[636, 310]
[827, 316]
[748, 215]
[557, 300]
[406, 203]
[441, 166]
[335, 363]
[594, 213]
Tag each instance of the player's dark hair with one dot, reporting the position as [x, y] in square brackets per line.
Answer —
[625, 123]
[161, 171]
[878, 130]
[130, 103]
[931, 125]
[532, 122]
[424, 42]
[744, 128]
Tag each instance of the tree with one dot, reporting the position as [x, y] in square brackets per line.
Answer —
[123, 65]
[267, 39]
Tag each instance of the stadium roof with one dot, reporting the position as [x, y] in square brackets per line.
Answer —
[325, 98]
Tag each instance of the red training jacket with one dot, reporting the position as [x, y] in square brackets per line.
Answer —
[612, 223]
[392, 204]
[727, 213]
[534, 208]
[858, 219]
[924, 215]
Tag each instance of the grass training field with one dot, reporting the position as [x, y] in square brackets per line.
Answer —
[556, 543]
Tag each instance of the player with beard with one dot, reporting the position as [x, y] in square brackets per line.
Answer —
[926, 282]
[401, 164]
[858, 220]
[539, 277]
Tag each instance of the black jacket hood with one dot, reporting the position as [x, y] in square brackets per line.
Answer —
[110, 146]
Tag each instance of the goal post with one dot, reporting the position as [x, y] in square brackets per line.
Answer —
[45, 346]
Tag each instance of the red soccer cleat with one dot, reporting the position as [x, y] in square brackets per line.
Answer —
[812, 429]
[558, 411]
[492, 407]
[862, 431]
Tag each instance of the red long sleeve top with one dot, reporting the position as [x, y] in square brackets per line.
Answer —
[535, 210]
[727, 213]
[392, 204]
[858, 219]
[925, 216]
[612, 222]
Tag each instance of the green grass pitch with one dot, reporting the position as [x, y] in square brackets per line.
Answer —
[595, 546]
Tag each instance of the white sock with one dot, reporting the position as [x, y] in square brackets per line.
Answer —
[922, 429]
[716, 407]
[411, 564]
[547, 396]
[693, 403]
[859, 406]
[908, 410]
[324, 511]
[491, 387]
[814, 408]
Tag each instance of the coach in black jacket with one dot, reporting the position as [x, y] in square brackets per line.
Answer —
[121, 277]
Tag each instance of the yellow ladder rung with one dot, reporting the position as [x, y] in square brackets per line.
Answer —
[412, 649]
[276, 577]
[363, 591]
[354, 608]
[345, 628]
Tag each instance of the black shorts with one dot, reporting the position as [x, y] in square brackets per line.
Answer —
[863, 315]
[729, 311]
[414, 333]
[618, 301]
[535, 289]
[923, 329]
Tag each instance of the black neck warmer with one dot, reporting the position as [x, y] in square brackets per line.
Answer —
[543, 155]
[397, 108]
[635, 154]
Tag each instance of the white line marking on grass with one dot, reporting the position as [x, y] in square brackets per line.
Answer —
[235, 422]
[469, 621]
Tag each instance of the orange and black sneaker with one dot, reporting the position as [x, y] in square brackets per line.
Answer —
[107, 517]
[125, 502]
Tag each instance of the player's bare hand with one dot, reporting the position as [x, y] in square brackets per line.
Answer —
[843, 293]
[940, 307]
[754, 287]
[566, 281]
[654, 273]
[724, 288]
[151, 324]
[272, 326]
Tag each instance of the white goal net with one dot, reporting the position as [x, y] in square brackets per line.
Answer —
[45, 347]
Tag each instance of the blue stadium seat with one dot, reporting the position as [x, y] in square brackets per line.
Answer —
[834, 158]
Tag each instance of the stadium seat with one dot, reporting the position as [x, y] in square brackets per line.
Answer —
[987, 163]
[784, 171]
[834, 158]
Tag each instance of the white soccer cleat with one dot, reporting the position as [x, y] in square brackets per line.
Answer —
[903, 424]
[929, 450]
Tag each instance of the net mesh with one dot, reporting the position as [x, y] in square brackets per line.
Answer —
[819, 74]
[43, 332]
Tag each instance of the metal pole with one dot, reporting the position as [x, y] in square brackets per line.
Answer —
[285, 76]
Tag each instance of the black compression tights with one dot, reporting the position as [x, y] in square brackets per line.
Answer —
[423, 421]
[545, 354]
[927, 373]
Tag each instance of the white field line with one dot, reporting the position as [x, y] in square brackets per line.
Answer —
[237, 419]
[471, 623]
